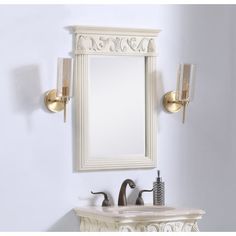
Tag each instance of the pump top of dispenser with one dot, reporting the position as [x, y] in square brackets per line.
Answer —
[158, 176]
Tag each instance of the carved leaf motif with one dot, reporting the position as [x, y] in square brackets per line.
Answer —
[94, 44]
[187, 227]
[81, 42]
[132, 43]
[126, 228]
[178, 226]
[151, 46]
[103, 42]
[141, 45]
[153, 228]
[123, 45]
[168, 228]
[135, 46]
[113, 46]
[195, 227]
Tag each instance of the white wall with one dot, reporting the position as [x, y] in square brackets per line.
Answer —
[37, 183]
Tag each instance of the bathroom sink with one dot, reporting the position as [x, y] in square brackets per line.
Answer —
[130, 213]
[138, 209]
[138, 218]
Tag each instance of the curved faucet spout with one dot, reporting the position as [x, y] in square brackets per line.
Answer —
[122, 201]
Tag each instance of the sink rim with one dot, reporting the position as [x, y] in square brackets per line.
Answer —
[138, 209]
[114, 213]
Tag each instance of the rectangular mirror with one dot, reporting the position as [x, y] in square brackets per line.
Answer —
[115, 116]
[116, 106]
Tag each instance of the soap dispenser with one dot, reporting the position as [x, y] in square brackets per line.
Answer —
[158, 191]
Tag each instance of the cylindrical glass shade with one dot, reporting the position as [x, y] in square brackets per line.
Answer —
[64, 77]
[185, 82]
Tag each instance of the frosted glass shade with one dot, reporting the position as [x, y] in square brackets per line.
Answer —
[185, 82]
[64, 77]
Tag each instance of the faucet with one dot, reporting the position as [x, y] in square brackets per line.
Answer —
[122, 201]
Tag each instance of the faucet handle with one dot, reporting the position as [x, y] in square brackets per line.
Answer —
[139, 200]
[106, 201]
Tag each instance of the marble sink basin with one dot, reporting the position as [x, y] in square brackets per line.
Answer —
[140, 213]
[138, 210]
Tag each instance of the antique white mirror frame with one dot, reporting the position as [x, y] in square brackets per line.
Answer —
[110, 42]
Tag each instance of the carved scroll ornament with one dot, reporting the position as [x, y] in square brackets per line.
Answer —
[114, 44]
[94, 225]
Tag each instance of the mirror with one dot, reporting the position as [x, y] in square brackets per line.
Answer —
[114, 98]
[116, 106]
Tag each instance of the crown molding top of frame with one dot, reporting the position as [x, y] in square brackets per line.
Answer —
[113, 30]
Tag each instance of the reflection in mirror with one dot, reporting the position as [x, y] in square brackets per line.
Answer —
[116, 107]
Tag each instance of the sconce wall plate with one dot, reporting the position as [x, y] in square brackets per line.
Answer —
[52, 102]
[170, 102]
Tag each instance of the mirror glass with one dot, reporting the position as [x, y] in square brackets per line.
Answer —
[116, 106]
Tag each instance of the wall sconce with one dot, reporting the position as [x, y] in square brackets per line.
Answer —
[173, 101]
[57, 99]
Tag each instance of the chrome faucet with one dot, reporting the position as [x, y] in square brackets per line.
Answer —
[122, 201]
